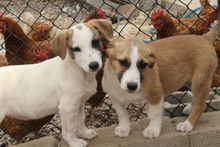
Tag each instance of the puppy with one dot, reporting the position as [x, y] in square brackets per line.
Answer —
[62, 84]
[137, 71]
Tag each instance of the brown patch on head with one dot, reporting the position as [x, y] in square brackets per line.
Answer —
[61, 42]
[79, 27]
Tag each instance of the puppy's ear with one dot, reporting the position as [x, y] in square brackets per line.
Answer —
[151, 60]
[60, 43]
[104, 27]
[111, 48]
[112, 45]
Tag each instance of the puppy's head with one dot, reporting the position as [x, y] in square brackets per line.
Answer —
[130, 59]
[82, 43]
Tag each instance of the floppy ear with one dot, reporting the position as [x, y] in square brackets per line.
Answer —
[104, 27]
[151, 60]
[60, 43]
[111, 48]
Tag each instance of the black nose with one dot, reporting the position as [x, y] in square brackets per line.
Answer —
[132, 86]
[93, 65]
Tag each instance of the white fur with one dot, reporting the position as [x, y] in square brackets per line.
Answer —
[87, 54]
[184, 126]
[132, 74]
[187, 110]
[35, 91]
[155, 114]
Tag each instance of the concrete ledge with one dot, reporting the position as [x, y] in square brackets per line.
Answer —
[206, 133]
[42, 142]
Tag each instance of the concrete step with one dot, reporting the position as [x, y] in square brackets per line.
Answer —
[205, 134]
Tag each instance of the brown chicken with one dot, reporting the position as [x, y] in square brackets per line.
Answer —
[169, 26]
[21, 49]
[206, 8]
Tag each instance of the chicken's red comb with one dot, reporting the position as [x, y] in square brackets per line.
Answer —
[156, 13]
[40, 54]
[101, 13]
[1, 23]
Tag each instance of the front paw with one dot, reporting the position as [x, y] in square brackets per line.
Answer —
[187, 110]
[78, 143]
[88, 134]
[122, 131]
[151, 132]
[184, 126]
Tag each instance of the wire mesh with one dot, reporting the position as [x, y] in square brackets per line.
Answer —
[130, 18]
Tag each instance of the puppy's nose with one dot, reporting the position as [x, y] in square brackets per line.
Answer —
[93, 65]
[132, 86]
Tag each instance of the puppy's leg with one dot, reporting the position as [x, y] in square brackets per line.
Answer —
[200, 89]
[187, 110]
[2, 114]
[155, 114]
[83, 131]
[124, 127]
[69, 109]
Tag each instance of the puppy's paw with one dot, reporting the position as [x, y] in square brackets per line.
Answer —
[122, 131]
[88, 134]
[184, 126]
[187, 110]
[151, 132]
[78, 143]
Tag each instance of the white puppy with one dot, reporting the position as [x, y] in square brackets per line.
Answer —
[62, 84]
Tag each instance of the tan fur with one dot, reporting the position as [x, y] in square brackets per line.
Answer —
[79, 27]
[61, 42]
[120, 49]
[103, 26]
[178, 60]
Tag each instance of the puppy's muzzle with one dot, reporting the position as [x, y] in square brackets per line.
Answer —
[132, 86]
[94, 66]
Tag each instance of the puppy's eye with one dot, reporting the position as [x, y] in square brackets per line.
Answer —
[124, 63]
[96, 43]
[76, 49]
[142, 65]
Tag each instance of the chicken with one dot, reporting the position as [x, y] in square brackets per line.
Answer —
[98, 14]
[38, 31]
[167, 26]
[206, 8]
[21, 49]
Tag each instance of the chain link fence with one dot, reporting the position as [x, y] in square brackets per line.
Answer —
[130, 18]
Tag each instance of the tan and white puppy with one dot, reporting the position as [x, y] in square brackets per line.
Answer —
[137, 71]
[62, 84]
